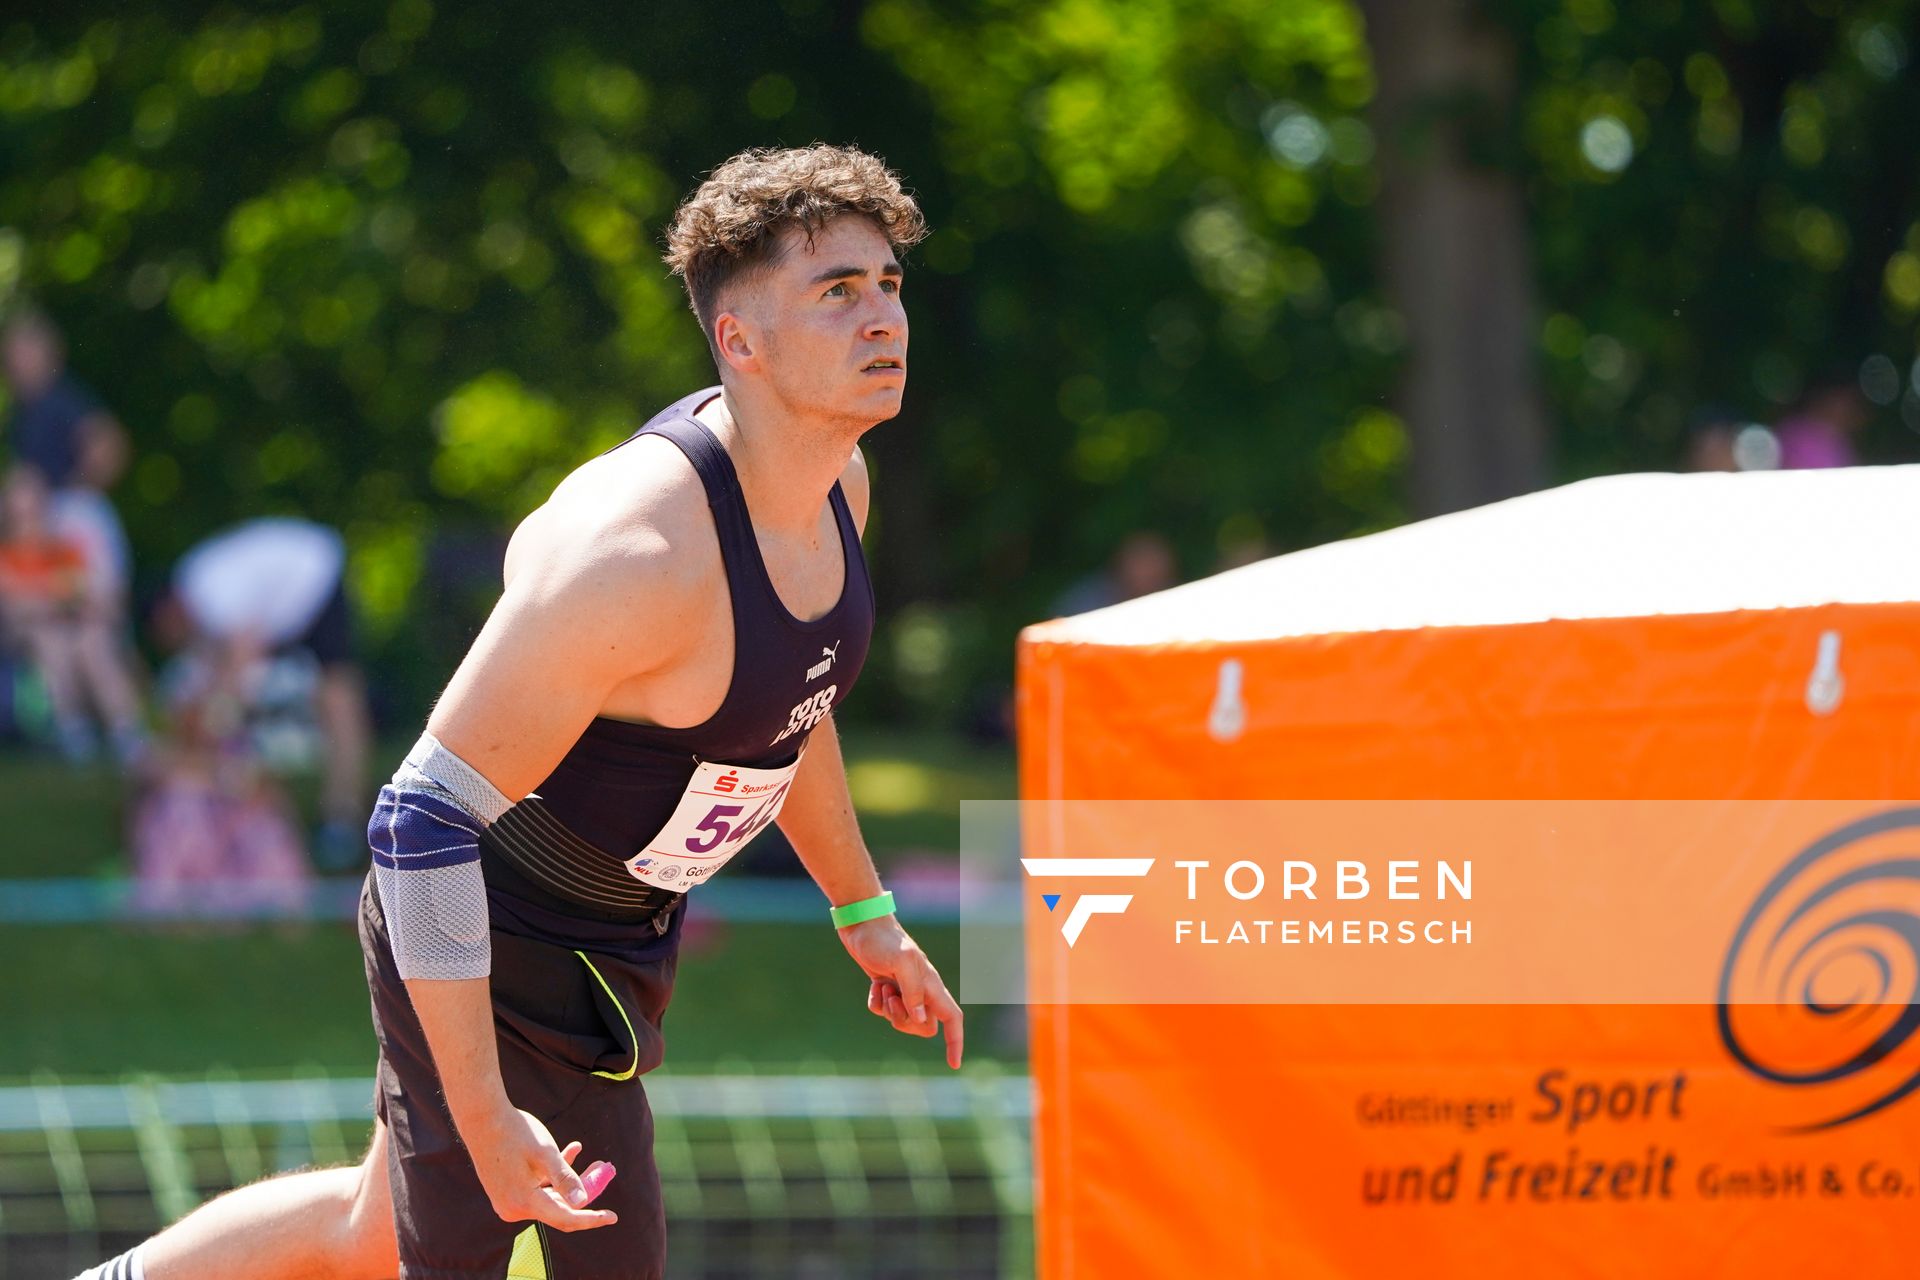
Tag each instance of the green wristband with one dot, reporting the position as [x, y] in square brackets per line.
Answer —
[863, 910]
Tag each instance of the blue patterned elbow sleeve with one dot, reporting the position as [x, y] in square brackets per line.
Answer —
[425, 841]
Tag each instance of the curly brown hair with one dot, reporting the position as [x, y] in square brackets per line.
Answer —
[730, 228]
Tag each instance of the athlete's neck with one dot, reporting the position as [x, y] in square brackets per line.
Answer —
[786, 466]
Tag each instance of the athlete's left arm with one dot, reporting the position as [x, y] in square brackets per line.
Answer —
[904, 988]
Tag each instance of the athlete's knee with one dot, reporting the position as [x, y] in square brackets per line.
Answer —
[368, 1239]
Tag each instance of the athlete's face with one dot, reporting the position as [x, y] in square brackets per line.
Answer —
[824, 327]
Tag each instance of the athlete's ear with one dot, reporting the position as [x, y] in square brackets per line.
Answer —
[734, 338]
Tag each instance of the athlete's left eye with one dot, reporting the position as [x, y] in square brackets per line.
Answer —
[892, 286]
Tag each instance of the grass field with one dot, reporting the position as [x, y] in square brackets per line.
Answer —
[93, 1000]
[272, 999]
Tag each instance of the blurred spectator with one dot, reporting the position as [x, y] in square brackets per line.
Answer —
[1710, 436]
[59, 429]
[1142, 564]
[1721, 439]
[1819, 432]
[54, 617]
[267, 597]
[1241, 552]
[210, 830]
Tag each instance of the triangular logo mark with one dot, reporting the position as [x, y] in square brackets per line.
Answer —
[1051, 899]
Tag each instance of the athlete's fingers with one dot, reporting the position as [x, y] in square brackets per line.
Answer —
[912, 983]
[947, 1010]
[596, 1176]
[904, 1022]
[877, 992]
[561, 1216]
[565, 1194]
[561, 1177]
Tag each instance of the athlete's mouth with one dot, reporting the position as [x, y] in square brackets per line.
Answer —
[885, 362]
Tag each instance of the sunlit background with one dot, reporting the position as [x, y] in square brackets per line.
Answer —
[1209, 281]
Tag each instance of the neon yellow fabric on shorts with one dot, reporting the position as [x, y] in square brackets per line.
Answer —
[529, 1260]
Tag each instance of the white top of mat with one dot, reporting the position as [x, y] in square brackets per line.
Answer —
[1615, 547]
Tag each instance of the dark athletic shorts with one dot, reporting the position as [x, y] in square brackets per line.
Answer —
[576, 1031]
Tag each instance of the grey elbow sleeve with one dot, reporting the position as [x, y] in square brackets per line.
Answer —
[425, 839]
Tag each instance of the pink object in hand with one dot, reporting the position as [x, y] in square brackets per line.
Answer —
[596, 1178]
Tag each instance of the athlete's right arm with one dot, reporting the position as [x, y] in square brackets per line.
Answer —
[584, 614]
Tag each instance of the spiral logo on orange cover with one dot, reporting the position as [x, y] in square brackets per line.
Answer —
[1820, 990]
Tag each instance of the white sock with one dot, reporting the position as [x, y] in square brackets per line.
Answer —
[125, 1267]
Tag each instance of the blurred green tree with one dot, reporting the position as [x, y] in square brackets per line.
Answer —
[396, 266]
[1454, 243]
[1726, 204]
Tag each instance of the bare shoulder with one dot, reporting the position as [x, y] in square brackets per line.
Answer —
[625, 541]
[853, 483]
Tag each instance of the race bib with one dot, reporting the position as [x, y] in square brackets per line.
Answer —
[723, 807]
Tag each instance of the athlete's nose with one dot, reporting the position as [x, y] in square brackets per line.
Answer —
[888, 320]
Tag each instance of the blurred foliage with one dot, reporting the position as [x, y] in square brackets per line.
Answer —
[396, 266]
[1727, 208]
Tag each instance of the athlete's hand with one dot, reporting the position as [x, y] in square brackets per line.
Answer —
[904, 987]
[527, 1177]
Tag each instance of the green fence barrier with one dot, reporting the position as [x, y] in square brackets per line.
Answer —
[816, 1172]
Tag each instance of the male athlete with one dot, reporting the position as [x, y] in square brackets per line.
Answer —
[655, 685]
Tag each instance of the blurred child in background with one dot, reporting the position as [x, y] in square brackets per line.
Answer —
[273, 591]
[59, 428]
[51, 611]
[210, 827]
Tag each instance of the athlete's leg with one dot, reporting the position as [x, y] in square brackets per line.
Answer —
[612, 1118]
[616, 1124]
[325, 1224]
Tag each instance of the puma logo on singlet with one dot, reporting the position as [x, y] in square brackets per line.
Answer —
[825, 664]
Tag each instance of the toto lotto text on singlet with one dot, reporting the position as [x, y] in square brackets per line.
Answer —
[657, 810]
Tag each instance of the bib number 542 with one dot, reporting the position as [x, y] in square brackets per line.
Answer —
[720, 831]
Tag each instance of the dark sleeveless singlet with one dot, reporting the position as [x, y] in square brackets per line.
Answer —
[553, 862]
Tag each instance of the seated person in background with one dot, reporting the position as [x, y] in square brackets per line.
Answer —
[210, 830]
[61, 430]
[1142, 564]
[270, 587]
[51, 612]
[1719, 438]
[1821, 429]
[1711, 433]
